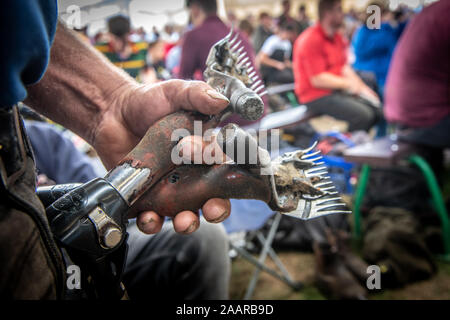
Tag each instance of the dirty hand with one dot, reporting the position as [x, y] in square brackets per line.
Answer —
[134, 109]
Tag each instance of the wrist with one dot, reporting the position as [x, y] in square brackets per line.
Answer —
[352, 86]
[110, 108]
[346, 85]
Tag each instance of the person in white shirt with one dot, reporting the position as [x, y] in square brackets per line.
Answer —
[274, 58]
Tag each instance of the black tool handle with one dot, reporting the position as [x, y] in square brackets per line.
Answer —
[50, 194]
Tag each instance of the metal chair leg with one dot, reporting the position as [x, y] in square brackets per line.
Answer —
[263, 256]
[274, 256]
[438, 200]
[359, 196]
[296, 285]
[259, 265]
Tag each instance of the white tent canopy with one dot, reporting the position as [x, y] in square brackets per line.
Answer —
[149, 13]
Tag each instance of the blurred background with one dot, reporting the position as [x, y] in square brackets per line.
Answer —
[384, 134]
[155, 13]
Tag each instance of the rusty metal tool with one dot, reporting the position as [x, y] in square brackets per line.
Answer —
[295, 183]
[92, 218]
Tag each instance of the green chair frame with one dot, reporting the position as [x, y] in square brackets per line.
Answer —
[433, 187]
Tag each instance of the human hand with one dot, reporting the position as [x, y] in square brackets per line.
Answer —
[353, 85]
[133, 109]
[370, 95]
[358, 87]
[280, 66]
[191, 148]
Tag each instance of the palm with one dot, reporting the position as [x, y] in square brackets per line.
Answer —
[124, 125]
[121, 130]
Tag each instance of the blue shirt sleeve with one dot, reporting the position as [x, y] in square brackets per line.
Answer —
[27, 28]
[56, 156]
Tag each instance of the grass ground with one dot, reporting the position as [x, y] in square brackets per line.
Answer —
[301, 267]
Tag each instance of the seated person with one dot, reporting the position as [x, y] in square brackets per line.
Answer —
[303, 21]
[263, 31]
[274, 56]
[120, 50]
[155, 69]
[417, 88]
[373, 48]
[246, 29]
[323, 79]
[166, 265]
[285, 16]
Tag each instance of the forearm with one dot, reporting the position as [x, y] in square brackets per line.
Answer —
[78, 86]
[264, 59]
[350, 74]
[357, 85]
[327, 80]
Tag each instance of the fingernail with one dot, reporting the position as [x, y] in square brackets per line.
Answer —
[148, 226]
[217, 95]
[191, 228]
[221, 218]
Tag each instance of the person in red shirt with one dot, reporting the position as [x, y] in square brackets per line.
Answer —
[324, 80]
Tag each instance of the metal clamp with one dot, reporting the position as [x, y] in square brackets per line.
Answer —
[109, 233]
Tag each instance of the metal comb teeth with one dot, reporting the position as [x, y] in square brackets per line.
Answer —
[309, 209]
[231, 42]
[326, 199]
[262, 94]
[316, 171]
[314, 207]
[242, 63]
[259, 89]
[238, 51]
[255, 85]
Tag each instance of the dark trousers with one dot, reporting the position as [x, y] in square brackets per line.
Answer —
[435, 136]
[359, 114]
[430, 142]
[168, 265]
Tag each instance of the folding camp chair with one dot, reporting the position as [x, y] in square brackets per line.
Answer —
[250, 216]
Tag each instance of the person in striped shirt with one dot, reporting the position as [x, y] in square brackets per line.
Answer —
[120, 50]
